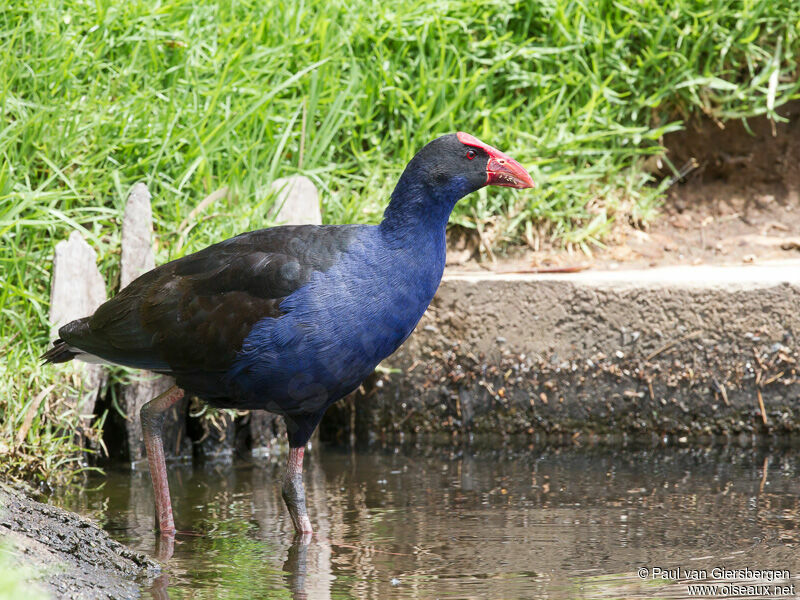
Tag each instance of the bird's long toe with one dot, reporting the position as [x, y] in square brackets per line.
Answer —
[302, 525]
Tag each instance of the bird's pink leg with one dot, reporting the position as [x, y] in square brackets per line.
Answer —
[152, 415]
[294, 494]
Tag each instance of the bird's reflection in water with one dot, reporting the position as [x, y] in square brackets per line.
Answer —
[160, 588]
[164, 549]
[296, 568]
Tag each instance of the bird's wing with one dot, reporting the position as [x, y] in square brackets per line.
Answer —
[194, 313]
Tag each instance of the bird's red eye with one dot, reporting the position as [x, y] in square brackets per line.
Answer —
[471, 154]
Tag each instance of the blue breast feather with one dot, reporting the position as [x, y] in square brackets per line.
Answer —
[339, 325]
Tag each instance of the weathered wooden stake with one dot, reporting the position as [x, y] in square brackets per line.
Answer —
[76, 290]
[138, 258]
[297, 201]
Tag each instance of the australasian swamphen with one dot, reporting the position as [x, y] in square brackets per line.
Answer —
[288, 319]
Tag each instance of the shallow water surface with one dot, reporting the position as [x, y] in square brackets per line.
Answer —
[461, 523]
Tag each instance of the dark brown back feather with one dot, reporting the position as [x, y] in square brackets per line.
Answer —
[194, 313]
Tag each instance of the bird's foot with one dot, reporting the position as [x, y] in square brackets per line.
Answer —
[165, 523]
[190, 533]
[166, 526]
[295, 498]
[294, 495]
[152, 417]
[302, 524]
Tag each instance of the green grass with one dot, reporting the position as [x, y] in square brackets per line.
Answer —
[16, 579]
[191, 96]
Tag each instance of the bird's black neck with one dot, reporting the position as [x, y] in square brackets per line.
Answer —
[417, 209]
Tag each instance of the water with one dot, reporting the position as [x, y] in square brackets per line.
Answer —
[409, 523]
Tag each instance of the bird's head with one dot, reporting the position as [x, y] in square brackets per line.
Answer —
[449, 168]
[461, 163]
[481, 160]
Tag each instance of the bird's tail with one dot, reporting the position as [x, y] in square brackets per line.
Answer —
[59, 353]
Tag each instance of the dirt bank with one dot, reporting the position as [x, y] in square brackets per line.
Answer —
[740, 204]
[72, 557]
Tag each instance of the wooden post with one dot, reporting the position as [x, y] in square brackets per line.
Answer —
[76, 290]
[138, 258]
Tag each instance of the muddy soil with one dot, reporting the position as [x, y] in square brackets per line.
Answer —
[73, 557]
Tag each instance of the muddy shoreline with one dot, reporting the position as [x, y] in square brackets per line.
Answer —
[67, 555]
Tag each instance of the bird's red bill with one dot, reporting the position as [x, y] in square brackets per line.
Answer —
[501, 169]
